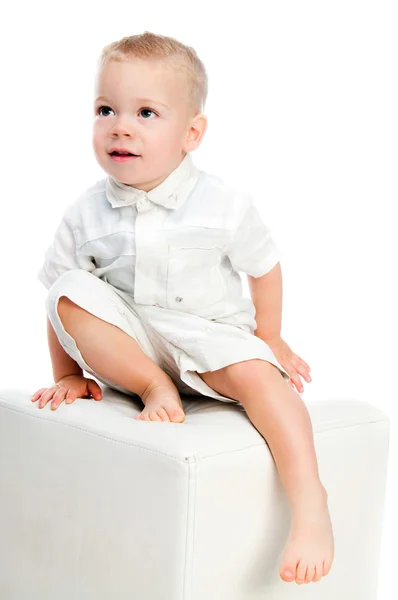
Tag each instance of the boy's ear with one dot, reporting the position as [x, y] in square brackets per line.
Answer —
[196, 132]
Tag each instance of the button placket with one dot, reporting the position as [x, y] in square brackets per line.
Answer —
[151, 253]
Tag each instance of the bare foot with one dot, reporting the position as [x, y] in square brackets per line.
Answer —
[309, 551]
[162, 403]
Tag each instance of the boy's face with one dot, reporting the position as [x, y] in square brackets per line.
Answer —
[143, 107]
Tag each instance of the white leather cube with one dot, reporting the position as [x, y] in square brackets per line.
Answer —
[95, 505]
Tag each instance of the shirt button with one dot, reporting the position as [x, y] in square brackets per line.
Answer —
[142, 202]
[178, 299]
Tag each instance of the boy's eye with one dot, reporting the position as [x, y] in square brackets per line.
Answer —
[142, 110]
[101, 107]
[148, 110]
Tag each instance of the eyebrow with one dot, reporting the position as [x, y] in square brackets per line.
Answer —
[144, 100]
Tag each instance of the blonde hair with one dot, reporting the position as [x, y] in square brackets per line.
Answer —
[150, 46]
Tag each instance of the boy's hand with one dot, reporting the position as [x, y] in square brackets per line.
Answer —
[291, 362]
[69, 388]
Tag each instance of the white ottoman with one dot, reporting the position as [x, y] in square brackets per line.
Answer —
[95, 505]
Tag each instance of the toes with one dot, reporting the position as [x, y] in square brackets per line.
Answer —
[163, 414]
[154, 416]
[301, 570]
[326, 567]
[288, 572]
[309, 576]
[177, 416]
[318, 572]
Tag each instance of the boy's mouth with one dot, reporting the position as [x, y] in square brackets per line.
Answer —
[127, 152]
[122, 156]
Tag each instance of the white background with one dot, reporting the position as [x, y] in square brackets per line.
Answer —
[302, 111]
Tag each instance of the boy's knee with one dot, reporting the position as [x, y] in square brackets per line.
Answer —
[234, 380]
[244, 375]
[249, 369]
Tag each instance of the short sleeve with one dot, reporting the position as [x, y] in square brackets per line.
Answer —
[60, 256]
[251, 248]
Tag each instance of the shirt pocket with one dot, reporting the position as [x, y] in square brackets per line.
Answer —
[112, 252]
[194, 276]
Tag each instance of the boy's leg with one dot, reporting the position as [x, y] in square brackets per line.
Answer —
[282, 418]
[116, 356]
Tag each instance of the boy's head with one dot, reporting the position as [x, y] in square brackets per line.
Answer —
[150, 91]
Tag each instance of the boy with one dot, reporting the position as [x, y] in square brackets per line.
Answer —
[145, 287]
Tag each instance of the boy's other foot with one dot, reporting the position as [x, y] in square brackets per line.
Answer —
[162, 403]
[309, 552]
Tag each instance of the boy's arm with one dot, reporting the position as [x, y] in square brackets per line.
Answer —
[62, 363]
[266, 293]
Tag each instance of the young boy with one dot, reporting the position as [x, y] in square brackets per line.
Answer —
[144, 281]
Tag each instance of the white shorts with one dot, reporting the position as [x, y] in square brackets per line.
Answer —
[180, 343]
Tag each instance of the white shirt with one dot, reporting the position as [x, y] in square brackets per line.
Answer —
[179, 246]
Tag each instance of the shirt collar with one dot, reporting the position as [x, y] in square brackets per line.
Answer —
[171, 193]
